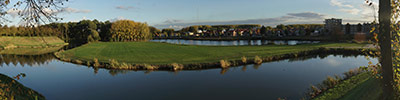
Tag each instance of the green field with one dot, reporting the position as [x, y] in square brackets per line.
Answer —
[163, 53]
[359, 87]
[30, 51]
[30, 41]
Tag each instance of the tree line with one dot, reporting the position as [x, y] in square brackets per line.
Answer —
[86, 31]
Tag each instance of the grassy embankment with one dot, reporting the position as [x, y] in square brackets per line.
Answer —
[163, 53]
[11, 89]
[360, 87]
[30, 42]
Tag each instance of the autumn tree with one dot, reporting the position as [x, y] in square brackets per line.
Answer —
[127, 30]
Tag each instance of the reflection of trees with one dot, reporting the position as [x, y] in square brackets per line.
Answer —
[26, 59]
[11, 89]
[322, 56]
[256, 66]
[116, 72]
[244, 68]
[223, 71]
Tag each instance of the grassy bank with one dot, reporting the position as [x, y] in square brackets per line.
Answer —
[359, 87]
[11, 89]
[30, 51]
[163, 53]
[347, 89]
[30, 42]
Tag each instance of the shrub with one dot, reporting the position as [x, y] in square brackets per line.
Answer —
[88, 63]
[177, 66]
[78, 61]
[125, 66]
[96, 62]
[244, 59]
[150, 67]
[314, 91]
[330, 82]
[114, 63]
[225, 64]
[257, 60]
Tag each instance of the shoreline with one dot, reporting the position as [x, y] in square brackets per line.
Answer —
[325, 39]
[214, 65]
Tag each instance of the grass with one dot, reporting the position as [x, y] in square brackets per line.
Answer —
[368, 90]
[353, 86]
[30, 51]
[11, 89]
[163, 53]
[6, 41]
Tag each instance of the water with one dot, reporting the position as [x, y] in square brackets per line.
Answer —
[233, 43]
[58, 80]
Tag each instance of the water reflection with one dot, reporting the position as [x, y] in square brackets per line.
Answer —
[29, 60]
[233, 43]
[289, 78]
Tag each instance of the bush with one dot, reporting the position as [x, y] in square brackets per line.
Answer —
[315, 91]
[88, 63]
[177, 66]
[78, 61]
[257, 60]
[330, 82]
[96, 62]
[150, 67]
[225, 64]
[114, 63]
[244, 59]
[125, 66]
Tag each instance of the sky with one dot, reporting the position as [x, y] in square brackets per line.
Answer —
[181, 13]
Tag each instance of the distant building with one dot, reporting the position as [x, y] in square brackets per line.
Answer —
[332, 24]
[335, 25]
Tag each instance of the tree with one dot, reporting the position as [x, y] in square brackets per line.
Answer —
[194, 29]
[127, 30]
[168, 31]
[281, 27]
[263, 30]
[385, 15]
[33, 12]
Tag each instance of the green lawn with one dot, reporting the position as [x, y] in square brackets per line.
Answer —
[6, 41]
[30, 51]
[359, 86]
[163, 53]
[368, 90]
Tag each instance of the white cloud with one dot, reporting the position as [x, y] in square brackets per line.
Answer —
[353, 11]
[347, 8]
[73, 10]
[125, 7]
[340, 4]
[290, 18]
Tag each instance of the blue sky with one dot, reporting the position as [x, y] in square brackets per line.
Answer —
[181, 13]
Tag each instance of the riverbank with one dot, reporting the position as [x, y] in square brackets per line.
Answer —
[11, 89]
[362, 86]
[163, 56]
[299, 38]
[7, 42]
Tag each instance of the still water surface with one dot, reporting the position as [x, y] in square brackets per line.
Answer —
[233, 43]
[290, 78]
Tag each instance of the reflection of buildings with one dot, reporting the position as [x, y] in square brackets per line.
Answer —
[333, 25]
